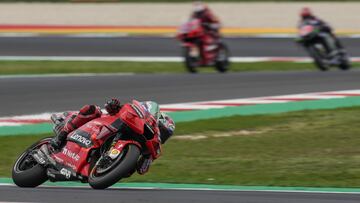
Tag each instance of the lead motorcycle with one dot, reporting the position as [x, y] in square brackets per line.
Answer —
[322, 48]
[198, 52]
[100, 153]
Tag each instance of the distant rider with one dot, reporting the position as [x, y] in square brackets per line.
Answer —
[90, 112]
[210, 24]
[308, 18]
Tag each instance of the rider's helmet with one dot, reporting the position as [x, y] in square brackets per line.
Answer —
[306, 13]
[199, 9]
[113, 106]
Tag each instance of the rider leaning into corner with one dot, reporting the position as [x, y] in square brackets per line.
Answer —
[90, 112]
[308, 18]
[209, 22]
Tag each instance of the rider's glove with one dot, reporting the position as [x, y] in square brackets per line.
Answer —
[113, 106]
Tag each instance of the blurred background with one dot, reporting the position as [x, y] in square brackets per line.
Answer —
[270, 108]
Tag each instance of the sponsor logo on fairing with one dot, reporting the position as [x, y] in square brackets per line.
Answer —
[114, 153]
[70, 154]
[81, 139]
[137, 110]
[65, 172]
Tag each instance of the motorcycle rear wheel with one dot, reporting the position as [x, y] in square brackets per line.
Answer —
[26, 172]
[120, 167]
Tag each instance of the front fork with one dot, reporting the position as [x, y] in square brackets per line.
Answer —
[194, 51]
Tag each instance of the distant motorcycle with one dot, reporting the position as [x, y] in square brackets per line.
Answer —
[198, 52]
[101, 152]
[322, 48]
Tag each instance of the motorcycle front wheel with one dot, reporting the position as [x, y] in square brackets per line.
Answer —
[108, 172]
[345, 63]
[26, 171]
[222, 60]
[191, 62]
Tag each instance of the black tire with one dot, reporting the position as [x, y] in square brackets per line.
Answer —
[33, 176]
[318, 59]
[191, 63]
[345, 63]
[125, 165]
[222, 61]
[344, 66]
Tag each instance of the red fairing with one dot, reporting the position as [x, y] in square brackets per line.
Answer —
[122, 143]
[306, 30]
[74, 157]
[193, 35]
[132, 118]
[92, 135]
[190, 29]
[135, 116]
[154, 147]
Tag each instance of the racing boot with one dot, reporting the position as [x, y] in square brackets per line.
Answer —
[60, 133]
[143, 164]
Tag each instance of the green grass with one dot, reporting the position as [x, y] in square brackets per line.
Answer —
[50, 67]
[307, 148]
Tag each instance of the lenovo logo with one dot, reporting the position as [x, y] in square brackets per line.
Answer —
[81, 139]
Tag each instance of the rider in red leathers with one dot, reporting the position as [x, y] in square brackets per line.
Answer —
[90, 112]
[210, 24]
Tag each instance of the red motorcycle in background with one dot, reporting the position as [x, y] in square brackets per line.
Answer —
[200, 49]
[101, 152]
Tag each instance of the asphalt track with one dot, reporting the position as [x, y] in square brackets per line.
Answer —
[35, 95]
[21, 96]
[148, 46]
[86, 195]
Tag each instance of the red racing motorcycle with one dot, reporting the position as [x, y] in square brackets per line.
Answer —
[200, 49]
[100, 153]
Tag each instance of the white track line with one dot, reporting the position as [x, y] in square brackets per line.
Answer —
[92, 58]
[202, 105]
[55, 75]
[201, 189]
[151, 59]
